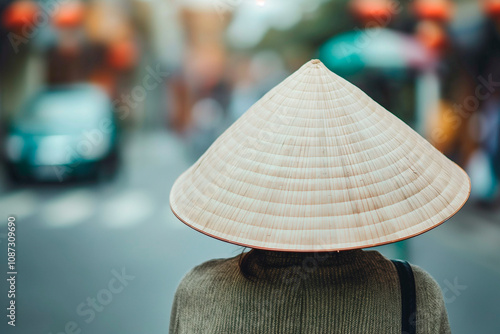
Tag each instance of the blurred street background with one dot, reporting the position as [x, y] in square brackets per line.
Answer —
[104, 103]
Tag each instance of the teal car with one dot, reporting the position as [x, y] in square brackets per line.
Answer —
[63, 133]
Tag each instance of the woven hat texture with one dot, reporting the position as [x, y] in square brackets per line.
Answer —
[317, 165]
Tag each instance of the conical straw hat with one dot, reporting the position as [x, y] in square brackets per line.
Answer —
[316, 165]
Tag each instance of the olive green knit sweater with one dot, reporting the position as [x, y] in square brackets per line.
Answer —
[347, 292]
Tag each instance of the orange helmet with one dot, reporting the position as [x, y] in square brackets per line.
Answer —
[436, 10]
[432, 35]
[70, 14]
[19, 14]
[122, 55]
[372, 10]
[492, 7]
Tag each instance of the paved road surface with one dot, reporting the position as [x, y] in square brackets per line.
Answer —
[119, 246]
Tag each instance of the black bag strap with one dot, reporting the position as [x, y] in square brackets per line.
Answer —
[408, 297]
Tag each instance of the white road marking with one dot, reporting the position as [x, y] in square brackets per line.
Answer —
[69, 209]
[127, 209]
[20, 204]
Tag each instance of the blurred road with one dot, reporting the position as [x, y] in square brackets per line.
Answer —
[106, 258]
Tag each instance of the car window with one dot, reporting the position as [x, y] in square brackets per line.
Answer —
[75, 107]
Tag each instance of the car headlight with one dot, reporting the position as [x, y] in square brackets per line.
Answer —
[53, 150]
[93, 149]
[14, 148]
[65, 150]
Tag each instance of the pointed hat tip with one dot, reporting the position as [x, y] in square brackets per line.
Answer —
[317, 64]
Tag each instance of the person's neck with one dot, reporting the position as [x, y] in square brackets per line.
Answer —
[284, 259]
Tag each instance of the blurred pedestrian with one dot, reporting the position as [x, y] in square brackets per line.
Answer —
[307, 177]
[479, 41]
[446, 123]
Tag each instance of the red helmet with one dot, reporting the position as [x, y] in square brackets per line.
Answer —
[432, 35]
[70, 14]
[123, 55]
[492, 7]
[436, 10]
[20, 14]
[372, 10]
